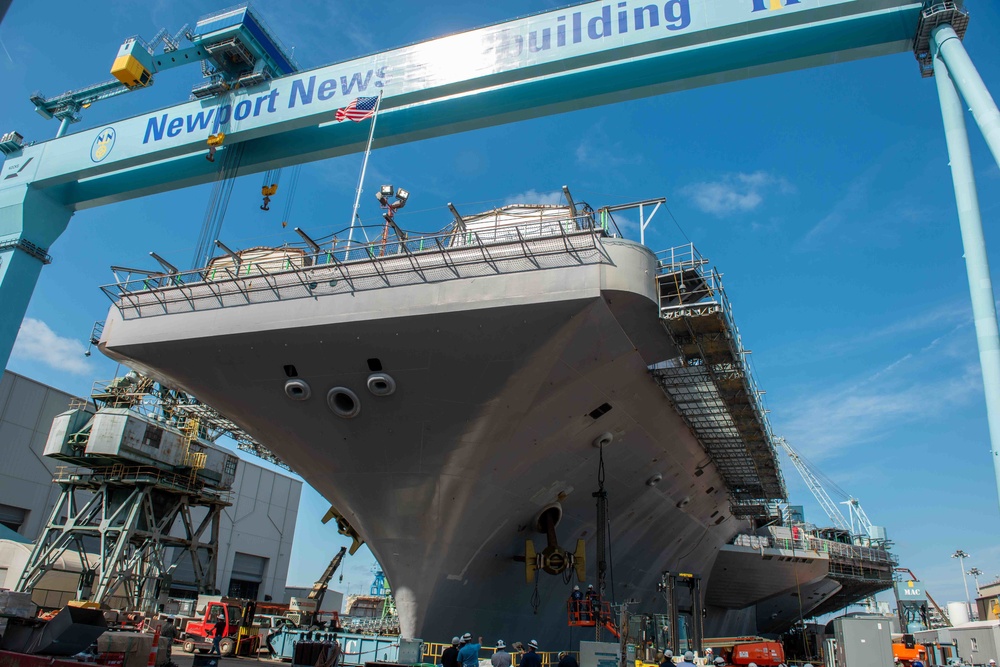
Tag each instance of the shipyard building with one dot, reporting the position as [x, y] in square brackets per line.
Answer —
[255, 531]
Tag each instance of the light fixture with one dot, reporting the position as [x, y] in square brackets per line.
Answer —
[402, 195]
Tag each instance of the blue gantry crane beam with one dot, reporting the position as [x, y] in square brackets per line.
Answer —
[570, 58]
[233, 46]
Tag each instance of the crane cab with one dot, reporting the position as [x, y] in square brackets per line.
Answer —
[133, 65]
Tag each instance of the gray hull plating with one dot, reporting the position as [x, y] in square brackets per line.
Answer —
[496, 377]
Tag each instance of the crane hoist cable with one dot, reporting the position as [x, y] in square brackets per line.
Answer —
[218, 203]
[293, 184]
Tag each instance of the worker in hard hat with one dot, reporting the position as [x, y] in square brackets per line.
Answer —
[449, 657]
[594, 601]
[501, 658]
[468, 654]
[688, 659]
[531, 658]
[668, 659]
[567, 659]
[576, 602]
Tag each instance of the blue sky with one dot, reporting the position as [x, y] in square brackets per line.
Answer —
[824, 197]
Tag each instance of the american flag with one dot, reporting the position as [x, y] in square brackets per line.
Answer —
[359, 109]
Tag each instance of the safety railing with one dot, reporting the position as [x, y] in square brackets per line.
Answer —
[698, 315]
[687, 257]
[344, 266]
[433, 651]
[131, 475]
[820, 546]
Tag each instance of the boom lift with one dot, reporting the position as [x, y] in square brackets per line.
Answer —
[306, 613]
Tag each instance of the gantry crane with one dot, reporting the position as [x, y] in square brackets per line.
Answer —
[234, 47]
[551, 62]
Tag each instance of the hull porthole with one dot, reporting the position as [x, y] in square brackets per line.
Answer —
[343, 402]
[381, 384]
[297, 390]
[603, 440]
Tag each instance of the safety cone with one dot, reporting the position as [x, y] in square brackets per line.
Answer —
[154, 649]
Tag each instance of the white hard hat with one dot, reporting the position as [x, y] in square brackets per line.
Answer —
[720, 660]
[533, 644]
[808, 664]
[689, 655]
[752, 664]
[467, 637]
[576, 588]
[455, 640]
[500, 644]
[668, 653]
[590, 585]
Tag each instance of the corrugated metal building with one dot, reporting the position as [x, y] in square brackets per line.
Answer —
[255, 540]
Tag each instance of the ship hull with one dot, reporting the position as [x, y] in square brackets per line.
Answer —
[500, 383]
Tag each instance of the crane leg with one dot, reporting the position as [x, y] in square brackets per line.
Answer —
[29, 223]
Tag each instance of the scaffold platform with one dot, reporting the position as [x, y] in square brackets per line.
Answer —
[711, 384]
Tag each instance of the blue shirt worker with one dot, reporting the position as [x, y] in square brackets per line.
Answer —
[531, 658]
[468, 655]
[576, 600]
[689, 660]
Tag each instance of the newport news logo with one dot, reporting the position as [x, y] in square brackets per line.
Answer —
[103, 144]
[772, 5]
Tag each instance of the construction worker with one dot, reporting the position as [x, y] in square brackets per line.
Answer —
[218, 632]
[719, 662]
[567, 659]
[501, 658]
[449, 657]
[668, 659]
[689, 659]
[169, 633]
[468, 655]
[594, 602]
[531, 658]
[576, 602]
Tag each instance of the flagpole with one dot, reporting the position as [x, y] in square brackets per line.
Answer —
[361, 179]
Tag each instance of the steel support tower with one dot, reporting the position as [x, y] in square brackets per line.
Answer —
[131, 527]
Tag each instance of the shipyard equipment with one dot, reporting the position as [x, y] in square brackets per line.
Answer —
[295, 114]
[233, 47]
[144, 492]
[237, 638]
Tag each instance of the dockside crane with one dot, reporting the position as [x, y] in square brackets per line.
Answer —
[817, 489]
[319, 588]
[233, 46]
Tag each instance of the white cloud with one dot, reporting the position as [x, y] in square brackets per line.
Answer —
[938, 377]
[37, 342]
[535, 197]
[735, 193]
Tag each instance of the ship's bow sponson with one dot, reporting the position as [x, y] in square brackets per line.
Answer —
[489, 393]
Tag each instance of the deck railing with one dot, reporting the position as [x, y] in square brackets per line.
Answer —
[342, 266]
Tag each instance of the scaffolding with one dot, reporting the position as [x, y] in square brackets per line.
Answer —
[711, 384]
[121, 521]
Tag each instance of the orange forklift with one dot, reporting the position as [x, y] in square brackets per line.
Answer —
[240, 637]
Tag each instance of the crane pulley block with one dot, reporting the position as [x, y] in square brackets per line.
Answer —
[269, 190]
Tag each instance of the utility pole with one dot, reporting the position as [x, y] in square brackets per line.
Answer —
[961, 556]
